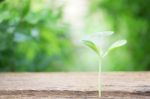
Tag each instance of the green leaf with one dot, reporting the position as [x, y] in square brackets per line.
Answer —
[91, 45]
[26, 8]
[115, 45]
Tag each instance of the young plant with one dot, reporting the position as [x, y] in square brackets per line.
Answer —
[101, 50]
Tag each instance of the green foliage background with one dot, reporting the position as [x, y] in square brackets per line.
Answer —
[33, 37]
[130, 18]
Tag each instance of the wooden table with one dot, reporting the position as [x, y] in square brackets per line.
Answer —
[77, 85]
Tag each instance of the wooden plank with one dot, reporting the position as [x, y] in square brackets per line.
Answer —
[116, 85]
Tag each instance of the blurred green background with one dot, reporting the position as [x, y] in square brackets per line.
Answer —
[45, 35]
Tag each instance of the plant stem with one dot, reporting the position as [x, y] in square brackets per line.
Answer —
[99, 78]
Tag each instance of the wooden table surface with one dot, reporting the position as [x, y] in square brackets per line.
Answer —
[77, 85]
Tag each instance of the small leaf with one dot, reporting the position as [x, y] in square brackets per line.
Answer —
[115, 45]
[91, 45]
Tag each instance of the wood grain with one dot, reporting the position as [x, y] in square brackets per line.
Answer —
[115, 85]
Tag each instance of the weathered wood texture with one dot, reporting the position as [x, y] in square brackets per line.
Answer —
[116, 85]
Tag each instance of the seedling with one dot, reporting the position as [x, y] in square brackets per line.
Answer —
[101, 50]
